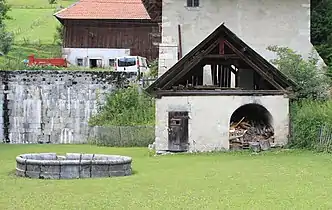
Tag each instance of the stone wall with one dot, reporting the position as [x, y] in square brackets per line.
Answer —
[52, 106]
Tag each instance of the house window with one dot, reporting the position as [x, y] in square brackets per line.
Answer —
[79, 62]
[111, 62]
[192, 3]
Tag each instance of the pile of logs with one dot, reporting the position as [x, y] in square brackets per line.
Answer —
[250, 134]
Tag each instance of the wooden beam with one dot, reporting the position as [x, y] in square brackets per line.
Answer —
[224, 56]
[191, 64]
[228, 92]
[222, 47]
[254, 66]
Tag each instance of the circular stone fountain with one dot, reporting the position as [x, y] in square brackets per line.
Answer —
[72, 165]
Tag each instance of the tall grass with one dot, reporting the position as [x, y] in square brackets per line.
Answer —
[308, 117]
[126, 107]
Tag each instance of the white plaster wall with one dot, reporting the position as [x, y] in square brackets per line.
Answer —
[259, 23]
[210, 118]
[72, 54]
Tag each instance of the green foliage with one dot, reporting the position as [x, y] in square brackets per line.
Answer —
[6, 40]
[127, 106]
[4, 8]
[311, 81]
[153, 69]
[58, 36]
[52, 1]
[307, 119]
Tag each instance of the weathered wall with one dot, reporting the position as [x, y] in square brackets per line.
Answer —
[209, 119]
[259, 23]
[52, 106]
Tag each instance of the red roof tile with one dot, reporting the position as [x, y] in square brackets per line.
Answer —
[105, 9]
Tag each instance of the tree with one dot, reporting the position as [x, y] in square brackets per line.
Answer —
[6, 38]
[4, 8]
[58, 36]
[311, 81]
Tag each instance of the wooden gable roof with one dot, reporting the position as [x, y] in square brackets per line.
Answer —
[264, 68]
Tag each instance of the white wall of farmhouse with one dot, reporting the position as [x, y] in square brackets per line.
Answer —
[259, 23]
[210, 119]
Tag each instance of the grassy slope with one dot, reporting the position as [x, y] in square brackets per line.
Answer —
[34, 26]
[276, 180]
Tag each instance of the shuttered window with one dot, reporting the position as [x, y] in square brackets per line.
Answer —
[192, 3]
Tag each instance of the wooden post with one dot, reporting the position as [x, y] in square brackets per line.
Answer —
[220, 75]
[180, 42]
[214, 74]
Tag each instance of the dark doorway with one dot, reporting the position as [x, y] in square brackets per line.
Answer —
[94, 63]
[178, 131]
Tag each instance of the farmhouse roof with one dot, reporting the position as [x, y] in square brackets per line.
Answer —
[105, 9]
[239, 48]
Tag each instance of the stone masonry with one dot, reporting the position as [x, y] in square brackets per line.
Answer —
[52, 106]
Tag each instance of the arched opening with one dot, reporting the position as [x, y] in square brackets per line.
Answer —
[251, 123]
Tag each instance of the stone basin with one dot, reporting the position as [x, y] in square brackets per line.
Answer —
[72, 165]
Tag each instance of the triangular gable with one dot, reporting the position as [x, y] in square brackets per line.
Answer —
[240, 49]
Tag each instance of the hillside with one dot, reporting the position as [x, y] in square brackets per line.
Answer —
[34, 26]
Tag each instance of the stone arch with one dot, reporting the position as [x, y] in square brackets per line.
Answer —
[250, 123]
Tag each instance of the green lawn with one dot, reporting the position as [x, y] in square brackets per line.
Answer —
[38, 3]
[275, 180]
[33, 25]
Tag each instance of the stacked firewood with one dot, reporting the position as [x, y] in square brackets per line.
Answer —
[246, 133]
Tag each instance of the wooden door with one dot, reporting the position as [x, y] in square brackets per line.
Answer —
[178, 131]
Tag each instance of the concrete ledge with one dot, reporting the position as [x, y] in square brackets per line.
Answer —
[72, 165]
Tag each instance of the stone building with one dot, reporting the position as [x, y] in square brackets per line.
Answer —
[194, 110]
[207, 82]
[260, 23]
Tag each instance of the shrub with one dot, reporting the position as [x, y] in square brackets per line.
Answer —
[312, 81]
[6, 40]
[153, 69]
[307, 118]
[126, 107]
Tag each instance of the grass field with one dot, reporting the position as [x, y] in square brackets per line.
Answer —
[33, 25]
[274, 180]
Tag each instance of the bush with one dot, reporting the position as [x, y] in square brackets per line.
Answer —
[6, 40]
[308, 118]
[153, 69]
[126, 107]
[312, 81]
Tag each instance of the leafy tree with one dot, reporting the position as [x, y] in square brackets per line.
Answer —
[6, 38]
[4, 8]
[58, 36]
[311, 81]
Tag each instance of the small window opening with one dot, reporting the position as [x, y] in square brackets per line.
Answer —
[79, 62]
[111, 62]
[192, 3]
[95, 63]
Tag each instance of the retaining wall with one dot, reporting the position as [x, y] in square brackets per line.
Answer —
[49, 106]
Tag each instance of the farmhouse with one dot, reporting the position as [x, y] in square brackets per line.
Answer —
[96, 31]
[260, 23]
[195, 110]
